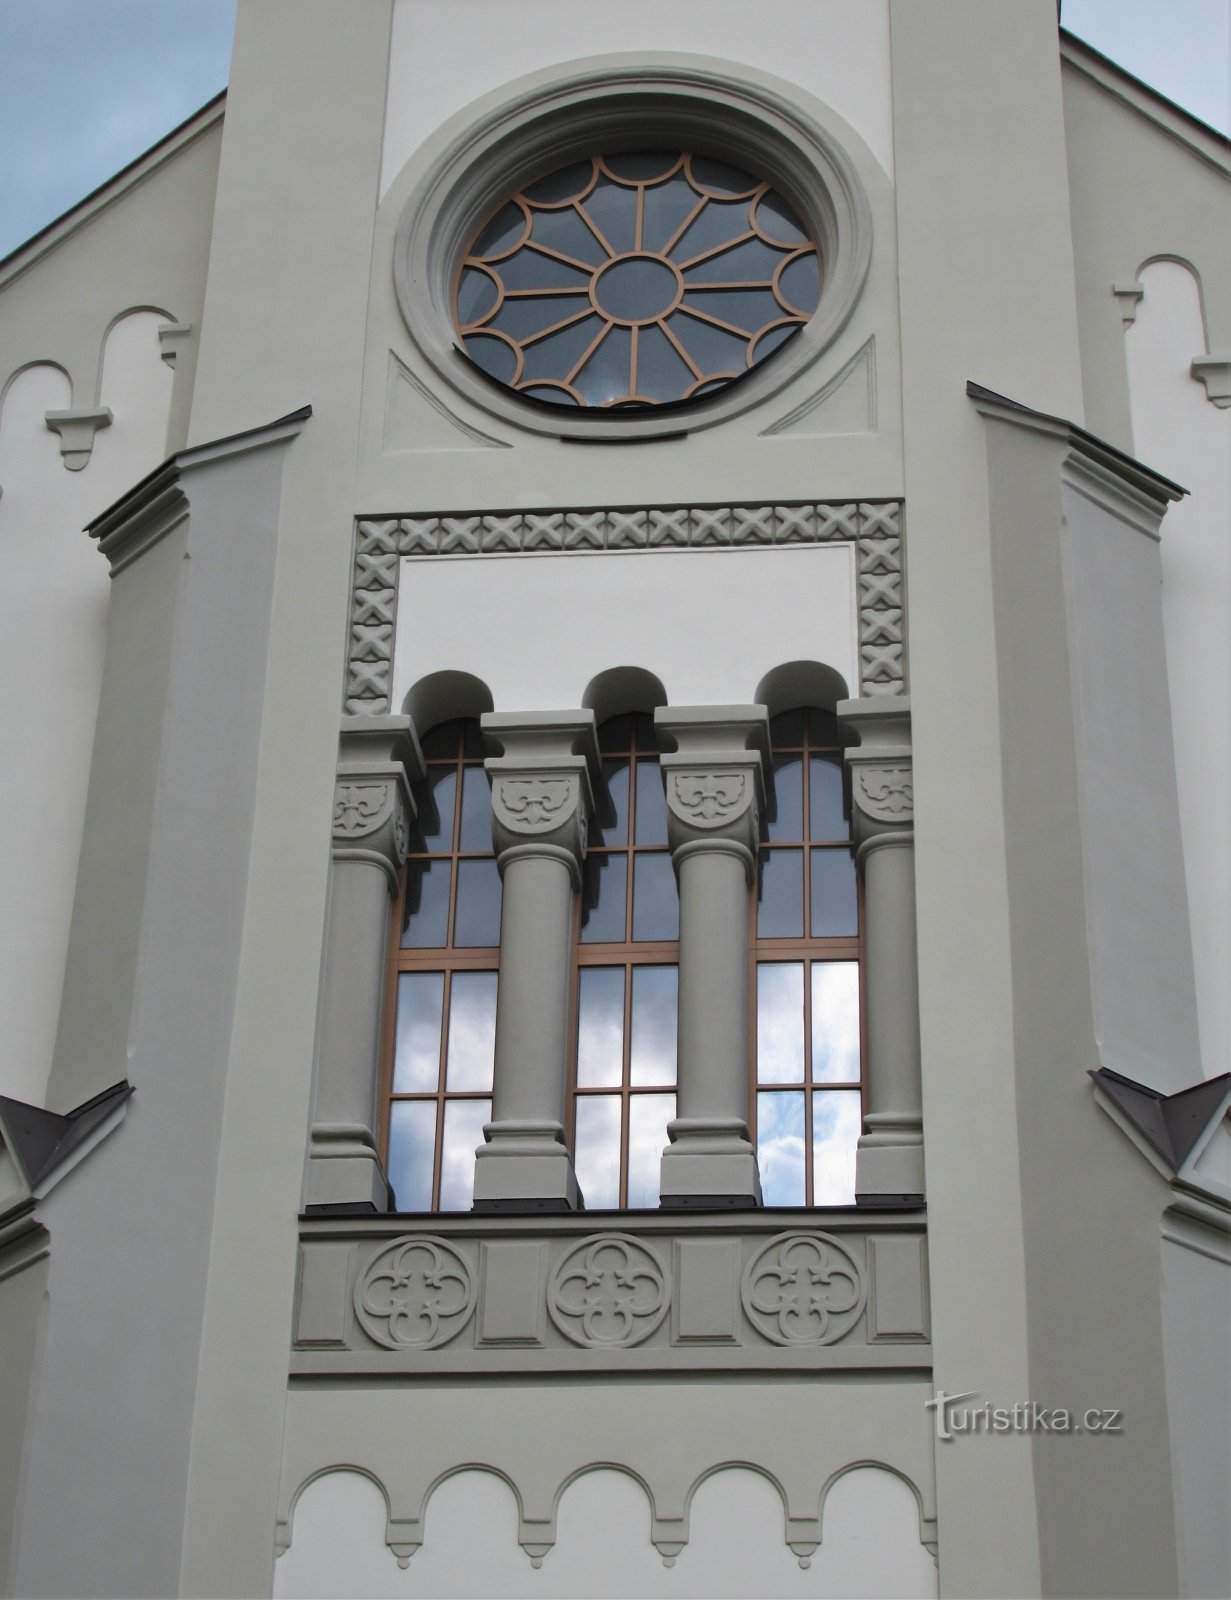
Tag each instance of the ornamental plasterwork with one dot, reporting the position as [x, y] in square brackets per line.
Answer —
[874, 527]
[608, 1293]
[416, 1294]
[885, 793]
[533, 805]
[708, 799]
[803, 1289]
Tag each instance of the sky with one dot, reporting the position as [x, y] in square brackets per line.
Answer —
[87, 85]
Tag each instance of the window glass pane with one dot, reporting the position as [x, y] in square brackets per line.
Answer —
[652, 1052]
[648, 1116]
[412, 1144]
[612, 805]
[835, 897]
[661, 373]
[752, 262]
[603, 881]
[605, 375]
[667, 206]
[835, 1135]
[566, 232]
[433, 828]
[600, 1027]
[656, 901]
[780, 1022]
[476, 811]
[780, 895]
[825, 798]
[785, 817]
[427, 905]
[835, 1022]
[614, 209]
[717, 223]
[478, 904]
[472, 740]
[416, 1061]
[463, 1135]
[711, 349]
[780, 1148]
[472, 1031]
[651, 825]
[597, 1156]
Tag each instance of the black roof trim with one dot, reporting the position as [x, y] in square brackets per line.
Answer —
[42, 1140]
[976, 391]
[1171, 1124]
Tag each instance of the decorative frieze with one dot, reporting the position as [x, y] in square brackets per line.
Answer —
[874, 527]
[551, 1294]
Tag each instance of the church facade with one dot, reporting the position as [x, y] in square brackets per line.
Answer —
[616, 859]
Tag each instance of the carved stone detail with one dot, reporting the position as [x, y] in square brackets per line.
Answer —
[875, 527]
[360, 808]
[608, 1292]
[418, 1293]
[885, 793]
[534, 805]
[804, 1289]
[709, 799]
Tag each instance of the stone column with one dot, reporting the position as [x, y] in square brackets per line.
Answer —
[372, 811]
[542, 800]
[714, 778]
[889, 1165]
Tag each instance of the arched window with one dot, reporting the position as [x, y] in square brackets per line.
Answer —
[808, 953]
[443, 1016]
[624, 1067]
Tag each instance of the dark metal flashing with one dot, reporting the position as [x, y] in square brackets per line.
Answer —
[989, 397]
[172, 465]
[1171, 1124]
[41, 1141]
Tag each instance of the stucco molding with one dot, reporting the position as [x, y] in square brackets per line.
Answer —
[874, 527]
[77, 427]
[1214, 371]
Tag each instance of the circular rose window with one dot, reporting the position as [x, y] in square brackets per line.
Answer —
[635, 280]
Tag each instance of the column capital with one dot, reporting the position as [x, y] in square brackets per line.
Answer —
[378, 759]
[542, 777]
[714, 775]
[879, 767]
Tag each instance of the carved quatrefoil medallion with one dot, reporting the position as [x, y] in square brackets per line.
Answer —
[416, 1294]
[608, 1292]
[804, 1289]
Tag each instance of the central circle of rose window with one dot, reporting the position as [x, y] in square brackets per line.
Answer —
[635, 280]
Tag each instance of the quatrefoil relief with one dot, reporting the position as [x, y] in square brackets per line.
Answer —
[608, 1292]
[804, 1289]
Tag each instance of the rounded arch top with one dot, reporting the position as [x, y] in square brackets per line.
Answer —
[617, 690]
[518, 134]
[801, 683]
[446, 696]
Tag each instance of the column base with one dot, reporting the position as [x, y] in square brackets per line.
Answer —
[345, 1170]
[889, 1167]
[710, 1163]
[525, 1166]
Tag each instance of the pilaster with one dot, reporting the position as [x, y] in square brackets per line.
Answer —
[715, 786]
[542, 801]
[372, 812]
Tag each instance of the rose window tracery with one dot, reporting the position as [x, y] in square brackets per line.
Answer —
[635, 279]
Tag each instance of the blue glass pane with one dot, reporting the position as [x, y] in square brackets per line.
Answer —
[531, 269]
[416, 1058]
[835, 894]
[472, 1031]
[477, 921]
[476, 832]
[597, 1150]
[784, 816]
[523, 319]
[835, 1135]
[463, 1135]
[554, 357]
[780, 1147]
[603, 909]
[652, 1050]
[651, 819]
[648, 1116]
[780, 1022]
[780, 895]
[606, 374]
[656, 900]
[412, 1145]
[434, 797]
[612, 805]
[427, 905]
[600, 1027]
[614, 209]
[825, 798]
[835, 1022]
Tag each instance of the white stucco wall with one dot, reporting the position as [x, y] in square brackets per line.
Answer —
[53, 606]
[446, 53]
[709, 624]
[1178, 431]
[735, 1546]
